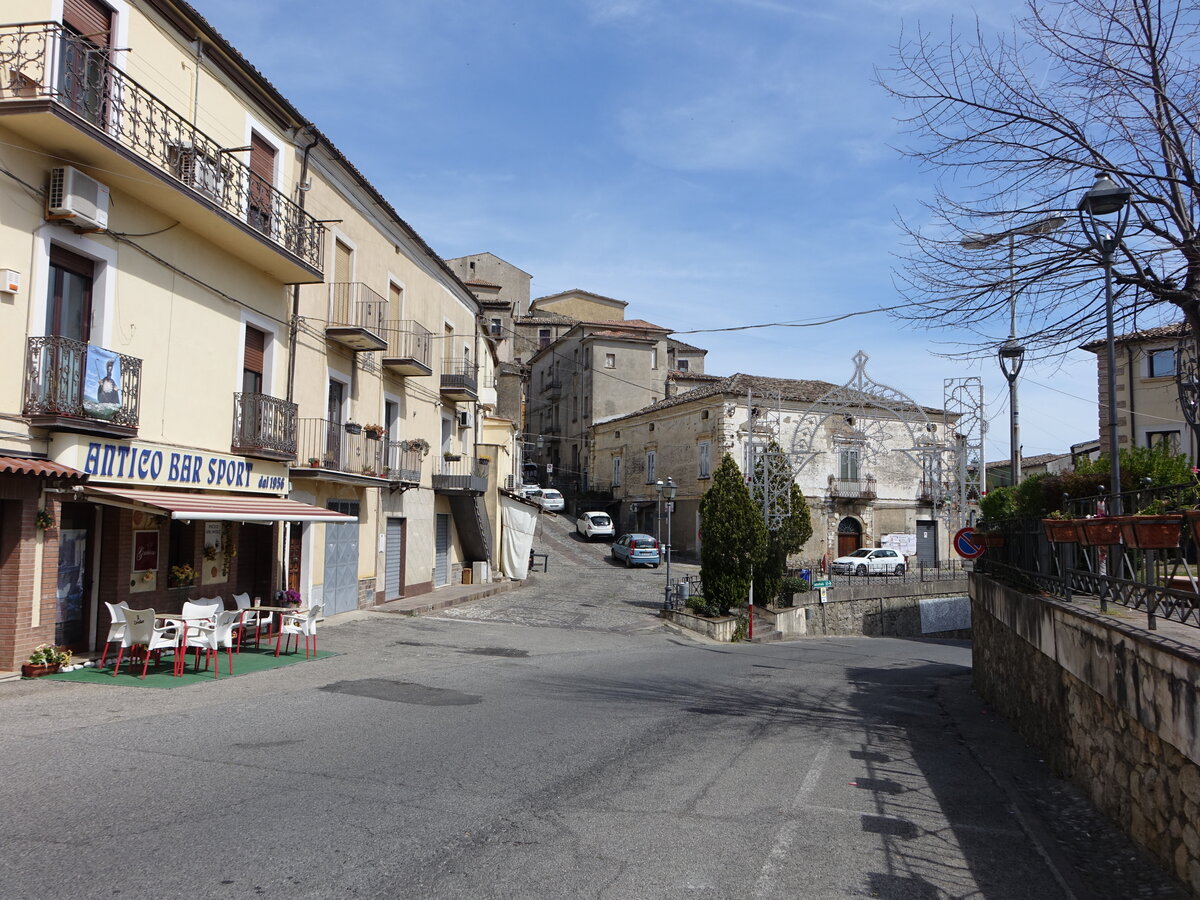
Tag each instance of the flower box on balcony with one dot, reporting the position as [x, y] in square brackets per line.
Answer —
[1098, 532]
[1152, 532]
[353, 428]
[992, 538]
[374, 432]
[1060, 531]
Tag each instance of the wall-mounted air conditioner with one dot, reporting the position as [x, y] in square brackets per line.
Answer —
[464, 418]
[78, 197]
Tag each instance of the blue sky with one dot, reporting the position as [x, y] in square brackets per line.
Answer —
[715, 163]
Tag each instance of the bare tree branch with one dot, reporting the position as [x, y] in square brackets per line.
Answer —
[1017, 123]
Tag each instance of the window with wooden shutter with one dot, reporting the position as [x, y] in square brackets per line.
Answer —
[252, 365]
[262, 181]
[90, 19]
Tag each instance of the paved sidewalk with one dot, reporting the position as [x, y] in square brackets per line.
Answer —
[444, 598]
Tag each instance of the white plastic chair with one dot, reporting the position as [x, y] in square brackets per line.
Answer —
[206, 608]
[140, 631]
[116, 626]
[252, 620]
[300, 624]
[211, 637]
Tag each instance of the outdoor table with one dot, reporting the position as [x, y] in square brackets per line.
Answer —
[282, 610]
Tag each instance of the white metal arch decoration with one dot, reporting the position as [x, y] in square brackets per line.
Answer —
[847, 404]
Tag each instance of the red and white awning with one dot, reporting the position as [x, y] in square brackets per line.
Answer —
[214, 507]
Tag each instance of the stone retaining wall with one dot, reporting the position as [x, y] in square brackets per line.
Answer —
[900, 609]
[1110, 706]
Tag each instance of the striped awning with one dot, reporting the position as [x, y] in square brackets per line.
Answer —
[214, 507]
[18, 465]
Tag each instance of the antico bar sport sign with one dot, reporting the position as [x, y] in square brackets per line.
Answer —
[152, 465]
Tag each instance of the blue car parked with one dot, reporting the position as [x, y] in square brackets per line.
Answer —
[636, 550]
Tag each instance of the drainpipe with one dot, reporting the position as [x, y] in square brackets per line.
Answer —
[293, 336]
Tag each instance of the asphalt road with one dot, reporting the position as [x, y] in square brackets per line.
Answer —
[555, 741]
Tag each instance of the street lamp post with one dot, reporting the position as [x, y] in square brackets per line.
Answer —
[667, 492]
[1104, 199]
[1011, 353]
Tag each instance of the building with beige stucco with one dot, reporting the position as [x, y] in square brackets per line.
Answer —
[218, 394]
[1148, 409]
[869, 465]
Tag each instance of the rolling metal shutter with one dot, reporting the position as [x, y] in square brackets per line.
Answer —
[441, 558]
[393, 579]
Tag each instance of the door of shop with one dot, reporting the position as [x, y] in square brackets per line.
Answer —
[441, 557]
[393, 579]
[341, 560]
[74, 586]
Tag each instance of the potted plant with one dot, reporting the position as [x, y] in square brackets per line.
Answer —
[451, 457]
[288, 598]
[1059, 529]
[45, 660]
[374, 432]
[1156, 526]
[314, 462]
[1098, 531]
[43, 519]
[183, 576]
[353, 428]
[417, 444]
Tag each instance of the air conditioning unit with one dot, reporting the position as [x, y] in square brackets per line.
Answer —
[79, 197]
[198, 170]
[464, 418]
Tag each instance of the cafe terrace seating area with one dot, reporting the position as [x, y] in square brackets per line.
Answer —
[205, 640]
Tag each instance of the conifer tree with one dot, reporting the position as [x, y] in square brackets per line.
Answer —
[733, 539]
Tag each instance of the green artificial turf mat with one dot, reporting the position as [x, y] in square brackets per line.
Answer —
[245, 663]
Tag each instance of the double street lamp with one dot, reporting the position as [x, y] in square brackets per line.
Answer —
[667, 491]
[1107, 199]
[1011, 353]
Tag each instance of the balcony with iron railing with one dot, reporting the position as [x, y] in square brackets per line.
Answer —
[264, 427]
[553, 390]
[356, 317]
[862, 488]
[460, 475]
[409, 348]
[402, 462]
[60, 91]
[325, 449]
[78, 387]
[460, 380]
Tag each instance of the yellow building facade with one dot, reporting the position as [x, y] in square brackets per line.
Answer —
[220, 389]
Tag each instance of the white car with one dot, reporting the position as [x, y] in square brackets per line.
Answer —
[594, 525]
[551, 500]
[869, 561]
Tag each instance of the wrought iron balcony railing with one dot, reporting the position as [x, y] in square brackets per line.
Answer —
[408, 348]
[852, 488]
[324, 444]
[264, 426]
[402, 463]
[44, 61]
[460, 476]
[356, 316]
[460, 379]
[81, 387]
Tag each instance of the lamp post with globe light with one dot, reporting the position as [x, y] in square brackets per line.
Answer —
[1106, 198]
[1011, 353]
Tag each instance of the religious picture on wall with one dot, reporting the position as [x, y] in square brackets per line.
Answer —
[102, 383]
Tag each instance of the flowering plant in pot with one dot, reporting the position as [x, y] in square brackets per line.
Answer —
[45, 660]
[288, 598]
